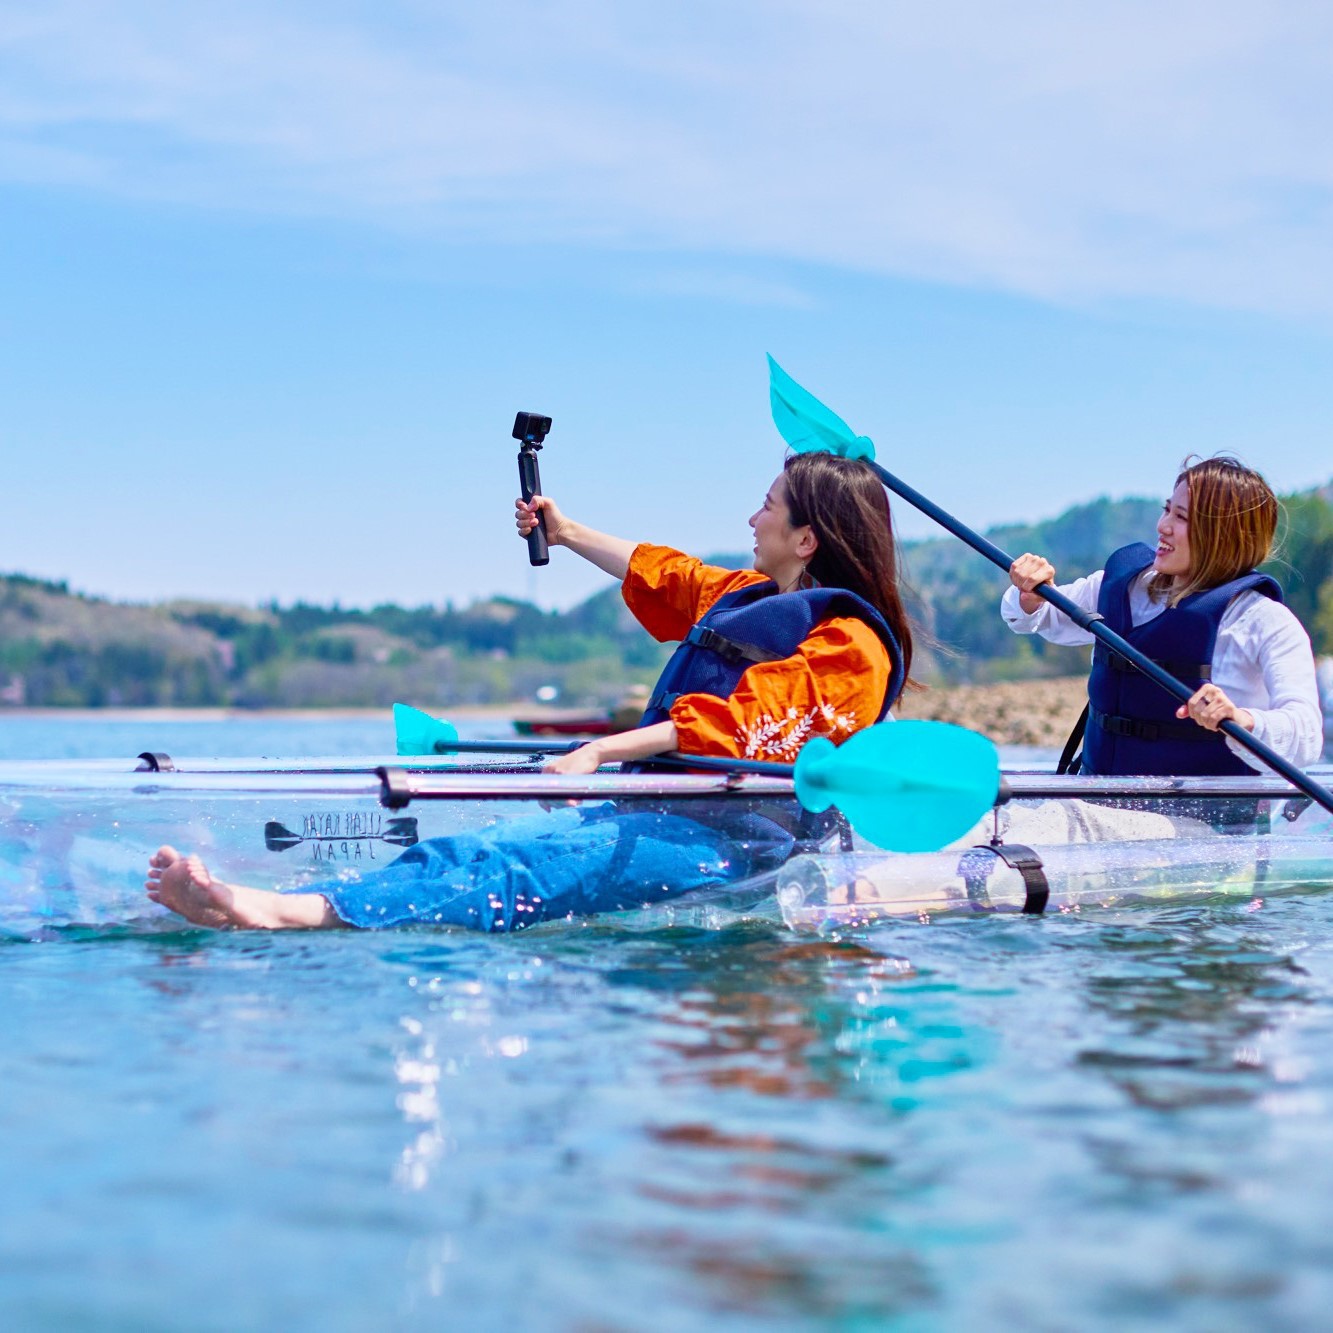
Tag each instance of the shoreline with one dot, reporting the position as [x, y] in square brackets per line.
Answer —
[1039, 712]
[1022, 712]
[240, 714]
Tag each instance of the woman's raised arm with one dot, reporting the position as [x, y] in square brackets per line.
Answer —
[610, 554]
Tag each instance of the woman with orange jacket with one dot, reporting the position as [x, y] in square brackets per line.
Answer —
[814, 641]
[817, 628]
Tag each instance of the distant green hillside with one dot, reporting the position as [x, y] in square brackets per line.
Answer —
[960, 591]
[59, 648]
[64, 649]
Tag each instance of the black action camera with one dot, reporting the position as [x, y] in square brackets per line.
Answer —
[531, 427]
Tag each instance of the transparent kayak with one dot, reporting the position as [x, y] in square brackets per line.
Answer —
[75, 836]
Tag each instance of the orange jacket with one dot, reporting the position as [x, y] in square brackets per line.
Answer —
[831, 686]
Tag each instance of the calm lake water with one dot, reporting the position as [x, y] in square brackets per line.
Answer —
[1065, 1123]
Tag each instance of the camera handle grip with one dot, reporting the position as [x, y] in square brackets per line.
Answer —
[530, 480]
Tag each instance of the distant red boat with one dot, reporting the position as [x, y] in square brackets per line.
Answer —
[624, 717]
[604, 725]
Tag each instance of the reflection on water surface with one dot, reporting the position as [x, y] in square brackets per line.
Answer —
[1081, 1122]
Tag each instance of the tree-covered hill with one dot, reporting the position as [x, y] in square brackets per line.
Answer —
[59, 647]
[960, 591]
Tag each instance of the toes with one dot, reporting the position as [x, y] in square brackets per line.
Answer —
[163, 857]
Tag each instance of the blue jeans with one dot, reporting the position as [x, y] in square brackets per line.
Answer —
[573, 862]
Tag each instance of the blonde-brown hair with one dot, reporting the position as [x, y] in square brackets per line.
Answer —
[1232, 522]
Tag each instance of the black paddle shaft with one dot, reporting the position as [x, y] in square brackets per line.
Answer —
[1097, 627]
[530, 428]
[535, 749]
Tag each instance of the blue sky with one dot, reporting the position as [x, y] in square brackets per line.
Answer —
[274, 278]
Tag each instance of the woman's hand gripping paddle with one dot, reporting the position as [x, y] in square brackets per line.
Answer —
[808, 426]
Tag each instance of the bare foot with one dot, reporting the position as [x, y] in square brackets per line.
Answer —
[184, 885]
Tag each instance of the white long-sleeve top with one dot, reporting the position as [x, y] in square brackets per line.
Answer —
[1262, 659]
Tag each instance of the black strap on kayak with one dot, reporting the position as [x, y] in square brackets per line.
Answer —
[1036, 887]
[1293, 809]
[395, 788]
[1071, 757]
[975, 867]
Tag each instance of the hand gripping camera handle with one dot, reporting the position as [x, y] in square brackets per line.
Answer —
[530, 480]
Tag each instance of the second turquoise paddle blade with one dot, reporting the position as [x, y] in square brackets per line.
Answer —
[416, 732]
[905, 786]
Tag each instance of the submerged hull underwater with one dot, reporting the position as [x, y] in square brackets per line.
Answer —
[75, 838]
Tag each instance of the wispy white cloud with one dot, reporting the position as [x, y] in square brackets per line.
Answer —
[720, 284]
[1073, 151]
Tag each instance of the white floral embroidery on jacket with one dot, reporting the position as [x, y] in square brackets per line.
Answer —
[781, 738]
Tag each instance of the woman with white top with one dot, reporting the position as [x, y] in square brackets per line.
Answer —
[1198, 607]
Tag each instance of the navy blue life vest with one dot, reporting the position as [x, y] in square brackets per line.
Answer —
[1132, 724]
[760, 624]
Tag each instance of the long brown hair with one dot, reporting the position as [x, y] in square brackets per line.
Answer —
[842, 500]
[1232, 521]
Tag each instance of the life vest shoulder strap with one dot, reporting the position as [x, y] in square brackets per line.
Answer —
[730, 650]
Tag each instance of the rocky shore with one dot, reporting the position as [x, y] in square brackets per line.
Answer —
[1020, 712]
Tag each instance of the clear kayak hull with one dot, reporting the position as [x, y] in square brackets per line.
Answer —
[75, 837]
[1131, 841]
[837, 892]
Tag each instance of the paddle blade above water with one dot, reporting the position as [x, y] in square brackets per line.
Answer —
[905, 786]
[416, 732]
[808, 425]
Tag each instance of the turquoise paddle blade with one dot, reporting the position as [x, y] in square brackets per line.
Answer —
[905, 786]
[416, 732]
[806, 424]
